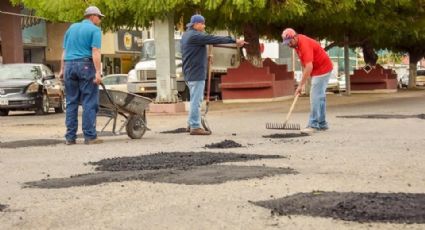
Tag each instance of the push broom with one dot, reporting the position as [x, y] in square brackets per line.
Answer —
[285, 124]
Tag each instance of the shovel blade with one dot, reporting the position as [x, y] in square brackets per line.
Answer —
[205, 124]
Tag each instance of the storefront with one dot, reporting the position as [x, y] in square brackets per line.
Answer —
[120, 51]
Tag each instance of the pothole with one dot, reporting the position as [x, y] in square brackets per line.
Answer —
[361, 207]
[30, 143]
[286, 135]
[165, 160]
[384, 116]
[174, 131]
[226, 144]
[212, 174]
[2, 207]
[175, 167]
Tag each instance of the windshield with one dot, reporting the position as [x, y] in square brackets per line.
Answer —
[149, 53]
[28, 72]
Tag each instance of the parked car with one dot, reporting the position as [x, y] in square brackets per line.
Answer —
[420, 77]
[116, 82]
[30, 87]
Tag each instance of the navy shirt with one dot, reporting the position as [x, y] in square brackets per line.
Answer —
[79, 40]
[194, 53]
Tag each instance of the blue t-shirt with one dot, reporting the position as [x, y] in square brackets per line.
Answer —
[79, 40]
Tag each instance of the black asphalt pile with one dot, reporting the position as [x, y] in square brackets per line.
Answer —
[2, 207]
[30, 143]
[174, 131]
[286, 135]
[406, 208]
[226, 144]
[180, 160]
[384, 116]
[212, 174]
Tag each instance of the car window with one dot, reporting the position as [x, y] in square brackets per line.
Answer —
[122, 80]
[13, 71]
[110, 80]
[420, 73]
[47, 71]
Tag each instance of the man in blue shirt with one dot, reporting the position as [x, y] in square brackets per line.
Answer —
[81, 71]
[194, 56]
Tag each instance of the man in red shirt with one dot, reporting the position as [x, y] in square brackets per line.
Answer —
[317, 66]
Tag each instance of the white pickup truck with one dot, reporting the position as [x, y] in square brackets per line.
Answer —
[142, 79]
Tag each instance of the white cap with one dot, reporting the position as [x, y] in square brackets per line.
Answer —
[93, 10]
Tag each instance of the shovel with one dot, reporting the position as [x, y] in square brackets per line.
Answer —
[204, 121]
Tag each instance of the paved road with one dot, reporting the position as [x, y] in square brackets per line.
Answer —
[355, 155]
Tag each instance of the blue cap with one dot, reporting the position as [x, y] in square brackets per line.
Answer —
[197, 18]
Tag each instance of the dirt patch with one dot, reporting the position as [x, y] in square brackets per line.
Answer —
[286, 135]
[174, 131]
[226, 144]
[384, 116]
[180, 160]
[361, 207]
[30, 143]
[2, 207]
[213, 174]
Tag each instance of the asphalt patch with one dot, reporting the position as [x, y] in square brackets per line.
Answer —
[384, 116]
[175, 131]
[179, 160]
[286, 135]
[226, 144]
[2, 207]
[406, 208]
[213, 174]
[30, 143]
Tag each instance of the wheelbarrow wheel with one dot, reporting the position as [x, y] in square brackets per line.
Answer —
[136, 126]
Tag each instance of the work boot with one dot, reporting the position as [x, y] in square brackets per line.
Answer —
[199, 131]
[93, 141]
[309, 130]
[70, 142]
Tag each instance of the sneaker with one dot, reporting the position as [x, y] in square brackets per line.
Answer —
[70, 142]
[309, 130]
[199, 131]
[93, 141]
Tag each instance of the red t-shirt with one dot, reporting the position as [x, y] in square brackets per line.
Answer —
[309, 50]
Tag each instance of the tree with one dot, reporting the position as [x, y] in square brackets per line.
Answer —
[247, 17]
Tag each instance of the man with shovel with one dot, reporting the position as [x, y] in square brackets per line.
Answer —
[194, 56]
[317, 66]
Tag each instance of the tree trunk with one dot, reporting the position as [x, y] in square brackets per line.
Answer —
[414, 57]
[251, 36]
[369, 55]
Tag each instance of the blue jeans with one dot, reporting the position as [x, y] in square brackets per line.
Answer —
[196, 90]
[318, 101]
[79, 75]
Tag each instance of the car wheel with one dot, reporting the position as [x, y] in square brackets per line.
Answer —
[44, 106]
[4, 112]
[62, 106]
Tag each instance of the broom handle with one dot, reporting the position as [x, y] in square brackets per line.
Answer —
[292, 108]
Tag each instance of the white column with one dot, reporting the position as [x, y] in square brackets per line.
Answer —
[165, 60]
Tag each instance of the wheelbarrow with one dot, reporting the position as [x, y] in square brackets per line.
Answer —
[132, 107]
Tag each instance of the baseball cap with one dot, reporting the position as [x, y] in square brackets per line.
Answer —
[93, 10]
[287, 35]
[197, 18]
